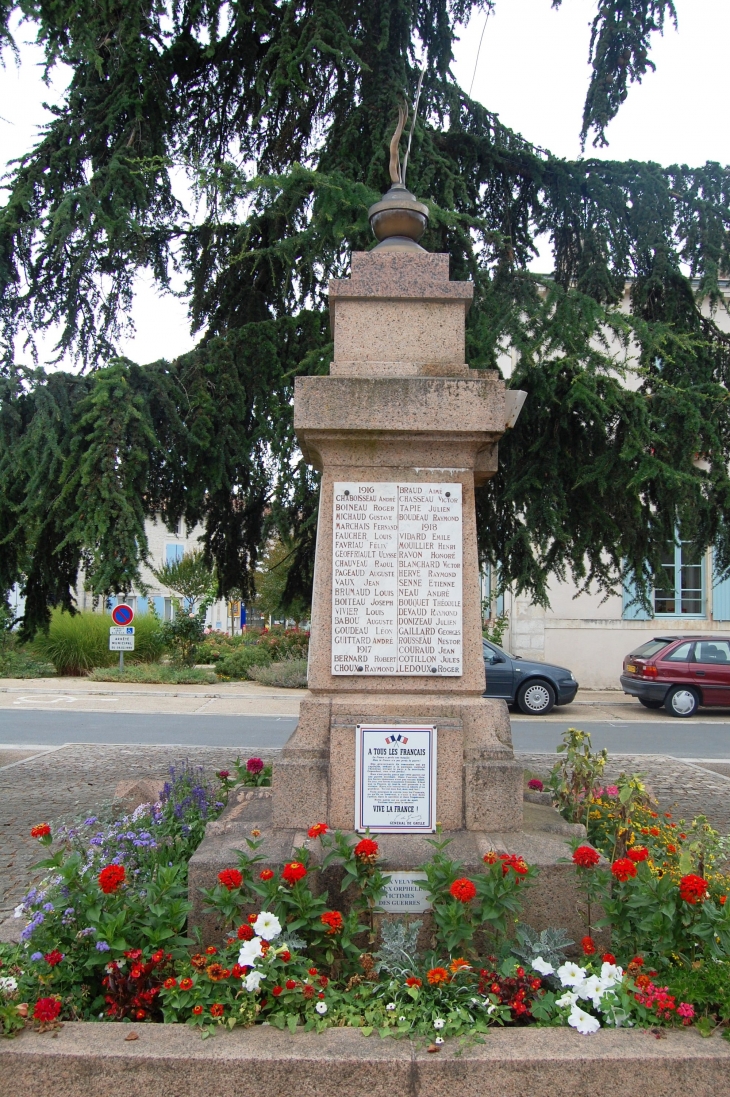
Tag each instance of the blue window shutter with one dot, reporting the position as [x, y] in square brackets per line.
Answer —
[159, 604]
[720, 598]
[632, 610]
[142, 604]
[173, 553]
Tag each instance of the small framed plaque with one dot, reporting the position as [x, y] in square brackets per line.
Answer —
[403, 894]
[395, 778]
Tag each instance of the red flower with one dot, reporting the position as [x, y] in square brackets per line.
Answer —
[535, 784]
[224, 774]
[437, 975]
[217, 1010]
[586, 857]
[312, 971]
[42, 830]
[692, 888]
[231, 878]
[308, 991]
[317, 830]
[170, 984]
[623, 868]
[276, 991]
[252, 918]
[413, 981]
[54, 957]
[186, 984]
[333, 919]
[608, 958]
[211, 950]
[254, 765]
[111, 878]
[722, 900]
[323, 981]
[285, 955]
[654, 831]
[292, 872]
[637, 854]
[588, 945]
[671, 848]
[237, 971]
[46, 1010]
[266, 874]
[366, 850]
[463, 890]
[321, 994]
[512, 861]
[290, 984]
[245, 933]
[197, 1010]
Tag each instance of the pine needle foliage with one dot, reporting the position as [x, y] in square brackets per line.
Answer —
[280, 114]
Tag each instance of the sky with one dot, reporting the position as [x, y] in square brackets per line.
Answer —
[532, 70]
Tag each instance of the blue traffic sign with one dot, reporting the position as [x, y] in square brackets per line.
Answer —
[122, 614]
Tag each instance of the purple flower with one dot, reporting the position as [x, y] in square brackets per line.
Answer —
[86, 932]
[36, 956]
[48, 907]
[90, 821]
[102, 946]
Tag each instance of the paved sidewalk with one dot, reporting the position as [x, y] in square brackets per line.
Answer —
[253, 699]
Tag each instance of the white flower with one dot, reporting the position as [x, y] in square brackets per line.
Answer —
[401, 1018]
[438, 1023]
[267, 926]
[252, 980]
[542, 966]
[583, 1022]
[19, 911]
[390, 1005]
[570, 974]
[475, 1001]
[321, 1007]
[438, 1040]
[593, 987]
[611, 974]
[8, 985]
[491, 1007]
[567, 999]
[250, 952]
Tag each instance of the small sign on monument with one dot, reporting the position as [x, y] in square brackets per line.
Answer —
[403, 894]
[121, 639]
[395, 778]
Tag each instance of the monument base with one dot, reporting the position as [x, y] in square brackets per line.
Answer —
[553, 899]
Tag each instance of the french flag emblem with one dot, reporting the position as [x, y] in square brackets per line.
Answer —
[396, 739]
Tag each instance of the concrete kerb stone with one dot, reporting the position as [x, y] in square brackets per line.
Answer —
[98, 1059]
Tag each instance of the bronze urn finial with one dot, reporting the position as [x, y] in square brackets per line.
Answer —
[399, 220]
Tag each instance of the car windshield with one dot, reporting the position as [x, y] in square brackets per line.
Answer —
[490, 647]
[651, 648]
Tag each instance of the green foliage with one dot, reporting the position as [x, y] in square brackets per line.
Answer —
[706, 985]
[549, 944]
[573, 778]
[289, 674]
[287, 648]
[190, 577]
[495, 634]
[183, 634]
[595, 477]
[239, 662]
[271, 580]
[155, 675]
[76, 643]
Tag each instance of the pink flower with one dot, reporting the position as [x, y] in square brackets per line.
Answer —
[612, 790]
[535, 784]
[254, 765]
[686, 1012]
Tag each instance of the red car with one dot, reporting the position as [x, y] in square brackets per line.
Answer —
[680, 672]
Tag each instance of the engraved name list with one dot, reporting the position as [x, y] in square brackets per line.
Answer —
[396, 591]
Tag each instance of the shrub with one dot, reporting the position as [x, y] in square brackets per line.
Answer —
[155, 674]
[239, 662]
[291, 674]
[77, 643]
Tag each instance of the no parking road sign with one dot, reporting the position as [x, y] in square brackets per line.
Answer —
[122, 614]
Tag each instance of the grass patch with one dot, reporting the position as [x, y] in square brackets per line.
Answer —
[21, 663]
[77, 643]
[155, 674]
[290, 674]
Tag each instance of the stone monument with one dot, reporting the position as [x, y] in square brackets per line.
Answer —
[395, 733]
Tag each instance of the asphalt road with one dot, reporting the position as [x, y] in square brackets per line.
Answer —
[695, 738]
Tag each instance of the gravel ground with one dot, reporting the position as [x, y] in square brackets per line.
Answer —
[68, 782]
[684, 788]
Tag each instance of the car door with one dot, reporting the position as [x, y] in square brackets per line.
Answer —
[499, 672]
[676, 667]
[712, 670]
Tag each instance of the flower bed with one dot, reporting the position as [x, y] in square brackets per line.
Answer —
[105, 934]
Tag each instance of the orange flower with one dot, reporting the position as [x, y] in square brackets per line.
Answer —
[186, 984]
[170, 984]
[216, 972]
[437, 975]
[197, 1010]
[217, 1010]
[317, 830]
[198, 961]
[42, 830]
[211, 950]
[459, 964]
[413, 981]
[722, 900]
[463, 890]
[266, 874]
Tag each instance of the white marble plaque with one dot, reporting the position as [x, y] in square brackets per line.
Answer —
[404, 895]
[396, 579]
[395, 777]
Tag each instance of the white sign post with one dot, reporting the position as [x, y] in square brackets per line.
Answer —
[121, 639]
[395, 778]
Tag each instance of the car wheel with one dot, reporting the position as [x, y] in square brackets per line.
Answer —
[682, 701]
[650, 704]
[536, 698]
